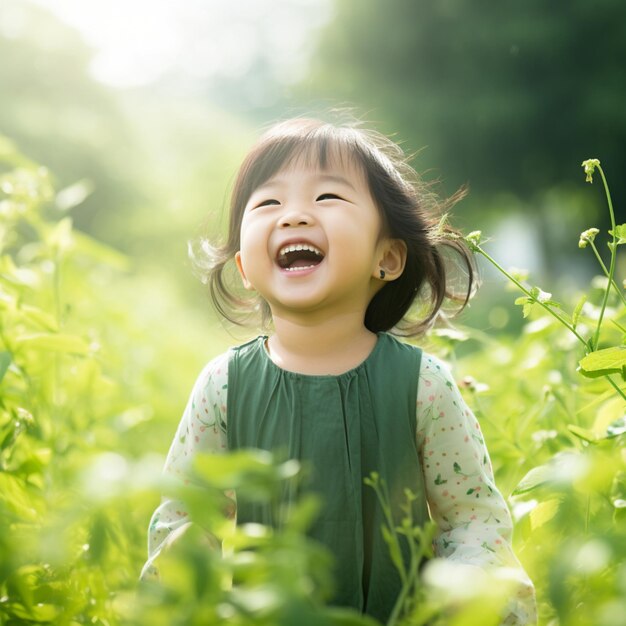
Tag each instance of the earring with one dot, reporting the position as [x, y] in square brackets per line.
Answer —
[382, 274]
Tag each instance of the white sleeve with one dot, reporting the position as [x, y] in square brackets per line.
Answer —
[474, 523]
[202, 428]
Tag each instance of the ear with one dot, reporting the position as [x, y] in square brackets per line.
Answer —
[246, 283]
[392, 259]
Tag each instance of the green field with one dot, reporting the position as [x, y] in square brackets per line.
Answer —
[95, 367]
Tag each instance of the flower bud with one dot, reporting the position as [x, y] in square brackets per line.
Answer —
[587, 236]
[590, 165]
[473, 239]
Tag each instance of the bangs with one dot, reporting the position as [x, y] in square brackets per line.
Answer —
[304, 142]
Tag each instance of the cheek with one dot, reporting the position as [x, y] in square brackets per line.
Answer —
[253, 249]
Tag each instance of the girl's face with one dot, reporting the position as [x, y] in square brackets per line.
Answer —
[311, 240]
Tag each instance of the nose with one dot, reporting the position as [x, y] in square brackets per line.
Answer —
[295, 217]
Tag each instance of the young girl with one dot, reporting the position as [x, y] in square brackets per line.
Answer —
[337, 243]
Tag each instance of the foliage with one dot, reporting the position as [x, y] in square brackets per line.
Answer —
[557, 409]
[79, 410]
[76, 487]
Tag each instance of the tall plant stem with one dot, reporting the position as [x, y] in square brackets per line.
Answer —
[527, 292]
[616, 387]
[606, 272]
[588, 347]
[406, 588]
[613, 248]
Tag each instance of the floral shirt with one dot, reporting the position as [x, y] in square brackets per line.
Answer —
[474, 523]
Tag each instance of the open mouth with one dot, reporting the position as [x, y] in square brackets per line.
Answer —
[297, 257]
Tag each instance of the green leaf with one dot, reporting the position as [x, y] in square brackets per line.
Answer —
[70, 344]
[543, 513]
[526, 303]
[562, 469]
[16, 498]
[5, 361]
[45, 613]
[74, 195]
[216, 468]
[39, 317]
[582, 433]
[535, 478]
[620, 234]
[578, 310]
[59, 237]
[604, 362]
[540, 295]
[394, 548]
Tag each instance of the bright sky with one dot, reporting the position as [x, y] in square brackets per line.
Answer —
[138, 40]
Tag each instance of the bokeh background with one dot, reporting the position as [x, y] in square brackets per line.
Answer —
[141, 111]
[151, 104]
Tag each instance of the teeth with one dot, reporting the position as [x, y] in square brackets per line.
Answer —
[298, 269]
[295, 247]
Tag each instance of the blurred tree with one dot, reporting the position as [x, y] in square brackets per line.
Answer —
[157, 158]
[504, 95]
[59, 115]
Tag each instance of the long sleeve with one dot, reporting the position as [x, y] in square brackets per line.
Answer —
[202, 428]
[475, 526]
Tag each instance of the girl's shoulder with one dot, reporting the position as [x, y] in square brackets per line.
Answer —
[436, 371]
[213, 375]
[433, 363]
[431, 366]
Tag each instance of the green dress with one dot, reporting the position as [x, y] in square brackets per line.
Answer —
[342, 428]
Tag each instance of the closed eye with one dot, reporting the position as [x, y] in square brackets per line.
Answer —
[328, 196]
[267, 202]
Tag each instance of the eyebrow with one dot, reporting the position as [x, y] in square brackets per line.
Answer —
[329, 178]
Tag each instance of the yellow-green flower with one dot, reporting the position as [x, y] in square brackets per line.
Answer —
[473, 239]
[590, 166]
[587, 236]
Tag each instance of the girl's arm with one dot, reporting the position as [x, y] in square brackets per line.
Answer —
[202, 428]
[475, 526]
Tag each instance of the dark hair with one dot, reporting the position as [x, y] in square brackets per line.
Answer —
[409, 209]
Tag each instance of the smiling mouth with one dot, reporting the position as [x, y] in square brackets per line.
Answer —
[297, 257]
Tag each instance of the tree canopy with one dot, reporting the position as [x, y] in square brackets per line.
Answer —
[503, 95]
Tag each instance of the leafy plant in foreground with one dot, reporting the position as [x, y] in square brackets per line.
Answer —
[570, 505]
[596, 362]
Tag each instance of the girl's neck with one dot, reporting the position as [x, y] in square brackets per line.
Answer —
[327, 347]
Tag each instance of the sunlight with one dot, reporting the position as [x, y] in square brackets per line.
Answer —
[138, 41]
